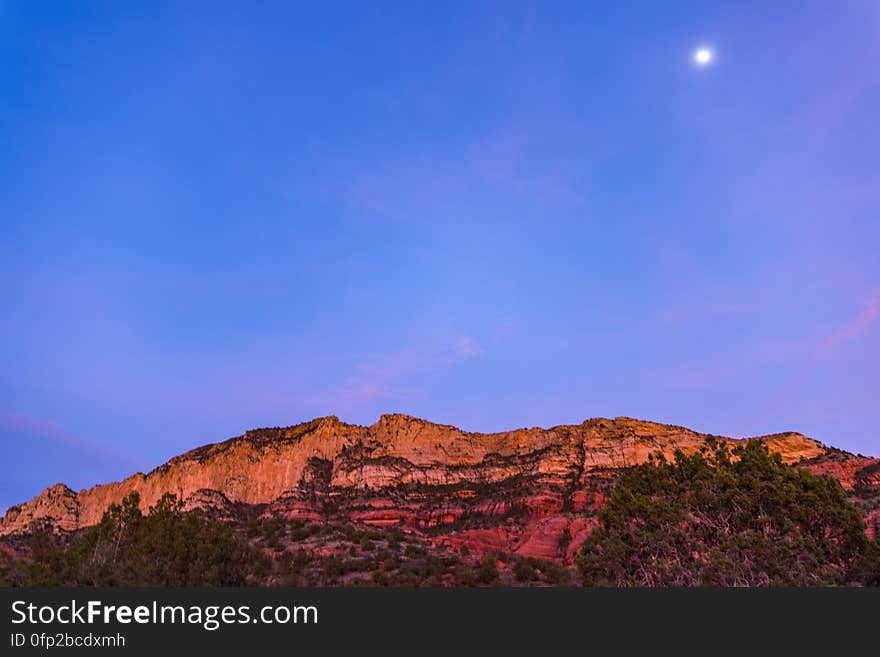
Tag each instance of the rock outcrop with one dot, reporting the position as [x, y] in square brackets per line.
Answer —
[526, 490]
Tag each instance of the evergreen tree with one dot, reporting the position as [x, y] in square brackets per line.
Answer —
[723, 517]
[165, 547]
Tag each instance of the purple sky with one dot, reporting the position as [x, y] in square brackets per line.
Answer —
[485, 214]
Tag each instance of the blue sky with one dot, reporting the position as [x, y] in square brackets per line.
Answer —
[220, 216]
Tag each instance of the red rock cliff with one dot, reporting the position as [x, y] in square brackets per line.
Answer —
[273, 466]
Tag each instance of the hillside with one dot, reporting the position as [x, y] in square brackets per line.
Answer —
[531, 492]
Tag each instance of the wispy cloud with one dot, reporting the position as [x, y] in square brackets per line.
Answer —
[384, 377]
[851, 329]
[463, 348]
[855, 327]
[46, 430]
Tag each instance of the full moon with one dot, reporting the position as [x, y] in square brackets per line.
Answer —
[703, 56]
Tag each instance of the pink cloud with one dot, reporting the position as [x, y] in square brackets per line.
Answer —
[852, 329]
[381, 377]
[49, 431]
[462, 349]
[855, 327]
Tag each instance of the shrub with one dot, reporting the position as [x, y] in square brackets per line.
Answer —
[524, 571]
[166, 547]
[487, 571]
[724, 517]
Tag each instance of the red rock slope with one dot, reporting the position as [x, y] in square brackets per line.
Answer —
[530, 491]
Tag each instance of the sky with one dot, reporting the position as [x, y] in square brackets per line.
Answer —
[215, 217]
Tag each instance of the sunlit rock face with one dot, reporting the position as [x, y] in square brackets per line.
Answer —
[533, 492]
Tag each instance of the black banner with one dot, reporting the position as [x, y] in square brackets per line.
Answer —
[469, 621]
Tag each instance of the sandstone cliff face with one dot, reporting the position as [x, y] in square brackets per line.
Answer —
[445, 474]
[56, 507]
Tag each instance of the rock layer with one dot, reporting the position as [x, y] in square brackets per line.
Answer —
[545, 472]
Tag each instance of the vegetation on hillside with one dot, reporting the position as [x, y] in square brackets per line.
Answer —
[719, 517]
[724, 517]
[165, 547]
[170, 547]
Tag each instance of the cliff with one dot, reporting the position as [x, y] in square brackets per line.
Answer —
[525, 490]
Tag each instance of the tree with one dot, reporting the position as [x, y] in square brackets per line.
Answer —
[487, 571]
[165, 547]
[723, 517]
